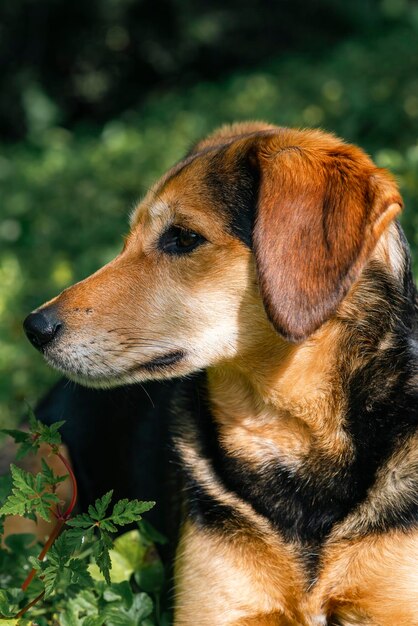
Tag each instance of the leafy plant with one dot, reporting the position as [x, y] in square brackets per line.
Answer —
[82, 576]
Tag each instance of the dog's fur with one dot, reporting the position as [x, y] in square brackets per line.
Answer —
[298, 443]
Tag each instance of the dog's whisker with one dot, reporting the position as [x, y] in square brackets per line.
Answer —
[139, 349]
[149, 342]
[132, 334]
[147, 394]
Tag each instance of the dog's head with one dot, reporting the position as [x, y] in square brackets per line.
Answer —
[258, 230]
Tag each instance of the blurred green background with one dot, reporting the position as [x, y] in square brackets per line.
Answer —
[98, 98]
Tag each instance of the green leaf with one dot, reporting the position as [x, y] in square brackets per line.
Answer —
[50, 577]
[48, 475]
[149, 533]
[14, 505]
[33, 422]
[26, 442]
[142, 607]
[35, 562]
[79, 574]
[75, 537]
[127, 511]
[6, 610]
[29, 495]
[61, 568]
[124, 512]
[81, 521]
[5, 487]
[39, 433]
[101, 555]
[20, 543]
[9, 601]
[22, 480]
[14, 559]
[18, 435]
[83, 607]
[108, 526]
[44, 433]
[61, 550]
[86, 601]
[68, 617]
[132, 548]
[150, 577]
[119, 592]
[97, 512]
[121, 569]
[92, 620]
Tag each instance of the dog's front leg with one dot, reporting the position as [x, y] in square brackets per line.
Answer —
[234, 580]
[370, 580]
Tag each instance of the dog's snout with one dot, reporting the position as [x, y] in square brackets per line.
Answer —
[41, 327]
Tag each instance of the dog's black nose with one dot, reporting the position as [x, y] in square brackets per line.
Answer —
[41, 327]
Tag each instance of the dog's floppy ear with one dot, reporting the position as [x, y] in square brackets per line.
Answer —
[320, 213]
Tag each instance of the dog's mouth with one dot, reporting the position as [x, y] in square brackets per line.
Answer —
[94, 373]
[164, 361]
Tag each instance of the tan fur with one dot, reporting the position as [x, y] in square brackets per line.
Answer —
[223, 581]
[288, 402]
[375, 576]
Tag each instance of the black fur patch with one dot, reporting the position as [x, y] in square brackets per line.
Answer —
[206, 510]
[301, 507]
[234, 186]
[304, 505]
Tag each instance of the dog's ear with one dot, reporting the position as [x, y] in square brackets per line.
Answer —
[320, 213]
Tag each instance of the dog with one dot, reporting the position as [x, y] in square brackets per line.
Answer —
[266, 284]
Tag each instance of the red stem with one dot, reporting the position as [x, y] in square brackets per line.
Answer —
[61, 519]
[68, 467]
[55, 532]
[28, 606]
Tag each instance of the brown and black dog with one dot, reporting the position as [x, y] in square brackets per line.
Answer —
[270, 258]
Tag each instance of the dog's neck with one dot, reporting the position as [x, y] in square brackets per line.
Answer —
[288, 400]
[283, 402]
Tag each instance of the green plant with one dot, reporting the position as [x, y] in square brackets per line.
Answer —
[82, 576]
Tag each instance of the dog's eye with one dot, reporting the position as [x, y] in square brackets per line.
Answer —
[178, 240]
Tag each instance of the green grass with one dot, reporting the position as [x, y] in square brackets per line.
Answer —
[65, 195]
